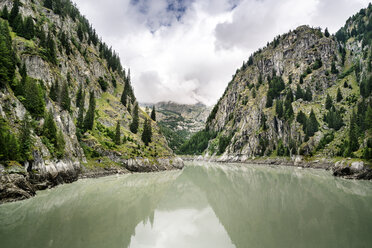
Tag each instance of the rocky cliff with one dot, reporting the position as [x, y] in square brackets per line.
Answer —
[69, 90]
[307, 92]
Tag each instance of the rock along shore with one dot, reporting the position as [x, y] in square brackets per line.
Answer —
[345, 168]
[19, 183]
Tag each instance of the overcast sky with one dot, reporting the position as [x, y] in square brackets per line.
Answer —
[187, 50]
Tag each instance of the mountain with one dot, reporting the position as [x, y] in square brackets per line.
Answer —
[178, 122]
[307, 92]
[66, 103]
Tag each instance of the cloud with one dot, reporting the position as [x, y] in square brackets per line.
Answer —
[187, 51]
[182, 228]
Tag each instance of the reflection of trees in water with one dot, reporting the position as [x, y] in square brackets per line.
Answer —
[95, 213]
[258, 207]
[267, 207]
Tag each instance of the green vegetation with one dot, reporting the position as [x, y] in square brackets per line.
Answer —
[52, 137]
[312, 125]
[89, 118]
[334, 118]
[25, 139]
[197, 143]
[153, 114]
[326, 33]
[117, 138]
[223, 142]
[102, 83]
[42, 39]
[7, 56]
[127, 95]
[54, 91]
[147, 132]
[65, 98]
[9, 145]
[34, 98]
[326, 139]
[135, 121]
[276, 85]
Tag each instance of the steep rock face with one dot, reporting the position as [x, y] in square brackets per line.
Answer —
[291, 57]
[82, 60]
[248, 121]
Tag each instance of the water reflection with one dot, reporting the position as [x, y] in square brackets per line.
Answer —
[89, 213]
[205, 205]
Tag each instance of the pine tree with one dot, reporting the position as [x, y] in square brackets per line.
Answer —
[7, 56]
[117, 133]
[18, 25]
[134, 125]
[299, 92]
[326, 33]
[339, 95]
[334, 119]
[54, 91]
[353, 133]
[302, 119]
[288, 110]
[301, 79]
[80, 33]
[269, 101]
[279, 108]
[48, 4]
[124, 96]
[34, 99]
[254, 93]
[263, 121]
[80, 119]
[14, 12]
[259, 80]
[329, 102]
[41, 35]
[153, 114]
[79, 96]
[12, 147]
[25, 139]
[289, 96]
[368, 119]
[60, 145]
[51, 48]
[65, 98]
[5, 13]
[147, 132]
[89, 117]
[308, 95]
[312, 125]
[9, 147]
[50, 128]
[29, 29]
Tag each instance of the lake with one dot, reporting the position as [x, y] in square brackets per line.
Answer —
[203, 205]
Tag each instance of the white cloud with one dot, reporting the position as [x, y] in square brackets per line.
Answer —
[182, 228]
[188, 56]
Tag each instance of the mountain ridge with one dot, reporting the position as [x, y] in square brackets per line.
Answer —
[178, 122]
[276, 103]
[67, 95]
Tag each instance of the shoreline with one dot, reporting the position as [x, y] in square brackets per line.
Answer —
[345, 168]
[20, 184]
